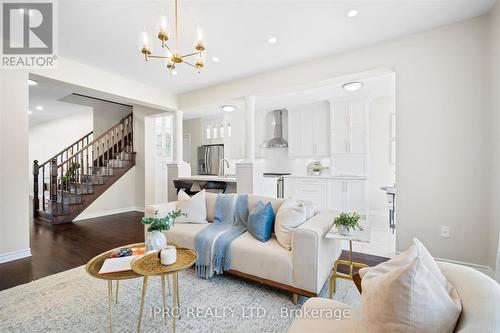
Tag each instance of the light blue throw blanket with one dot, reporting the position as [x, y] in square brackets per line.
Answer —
[213, 243]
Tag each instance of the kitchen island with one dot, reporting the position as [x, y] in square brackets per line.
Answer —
[197, 179]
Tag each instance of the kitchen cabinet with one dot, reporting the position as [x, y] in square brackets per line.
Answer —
[349, 137]
[308, 131]
[339, 193]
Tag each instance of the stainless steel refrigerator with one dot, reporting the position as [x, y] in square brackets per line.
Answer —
[209, 157]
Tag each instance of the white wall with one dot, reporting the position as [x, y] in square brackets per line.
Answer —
[143, 145]
[14, 202]
[193, 128]
[119, 198]
[381, 172]
[494, 61]
[107, 115]
[441, 102]
[49, 138]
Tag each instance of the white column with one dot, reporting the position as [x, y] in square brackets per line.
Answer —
[249, 128]
[178, 136]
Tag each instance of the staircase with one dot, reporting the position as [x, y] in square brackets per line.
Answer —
[70, 181]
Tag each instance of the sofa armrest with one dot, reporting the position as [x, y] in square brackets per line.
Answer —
[162, 209]
[313, 254]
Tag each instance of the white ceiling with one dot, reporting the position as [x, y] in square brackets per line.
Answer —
[105, 34]
[47, 95]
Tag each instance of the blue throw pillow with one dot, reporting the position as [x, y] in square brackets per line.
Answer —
[261, 221]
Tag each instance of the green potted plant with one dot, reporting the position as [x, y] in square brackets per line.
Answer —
[346, 223]
[156, 239]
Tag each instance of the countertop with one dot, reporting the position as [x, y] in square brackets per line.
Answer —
[203, 178]
[326, 177]
[389, 189]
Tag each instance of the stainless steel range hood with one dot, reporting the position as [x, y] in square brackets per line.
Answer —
[277, 141]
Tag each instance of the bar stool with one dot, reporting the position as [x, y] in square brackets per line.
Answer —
[184, 185]
[217, 186]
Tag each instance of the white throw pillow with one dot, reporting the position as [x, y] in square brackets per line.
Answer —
[194, 207]
[290, 215]
[408, 294]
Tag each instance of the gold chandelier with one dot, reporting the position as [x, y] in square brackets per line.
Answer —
[174, 57]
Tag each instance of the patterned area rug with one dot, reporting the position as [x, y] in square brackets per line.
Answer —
[73, 301]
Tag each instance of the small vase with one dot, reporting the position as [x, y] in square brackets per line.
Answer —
[156, 240]
[344, 231]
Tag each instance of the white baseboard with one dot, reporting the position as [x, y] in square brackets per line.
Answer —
[15, 255]
[85, 216]
[482, 268]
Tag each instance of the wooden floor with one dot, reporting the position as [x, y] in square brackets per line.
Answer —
[56, 248]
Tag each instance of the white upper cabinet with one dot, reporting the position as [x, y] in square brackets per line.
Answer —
[349, 127]
[309, 130]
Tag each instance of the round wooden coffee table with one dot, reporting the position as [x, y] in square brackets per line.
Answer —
[95, 264]
[149, 265]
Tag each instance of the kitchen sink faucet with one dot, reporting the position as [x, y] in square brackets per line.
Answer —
[223, 164]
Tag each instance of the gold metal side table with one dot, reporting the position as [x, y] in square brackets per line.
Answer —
[149, 265]
[95, 264]
[356, 236]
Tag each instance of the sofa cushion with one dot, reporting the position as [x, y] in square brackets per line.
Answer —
[261, 221]
[182, 234]
[267, 260]
[254, 199]
[194, 207]
[290, 216]
[323, 315]
[408, 294]
[480, 297]
[210, 199]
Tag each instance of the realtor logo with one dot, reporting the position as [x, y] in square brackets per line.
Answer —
[28, 32]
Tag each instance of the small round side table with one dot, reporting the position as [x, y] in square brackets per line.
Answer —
[149, 265]
[95, 264]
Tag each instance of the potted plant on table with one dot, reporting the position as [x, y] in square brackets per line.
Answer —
[156, 239]
[347, 223]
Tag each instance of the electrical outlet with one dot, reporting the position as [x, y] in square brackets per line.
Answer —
[445, 231]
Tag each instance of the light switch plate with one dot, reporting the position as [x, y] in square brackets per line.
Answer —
[445, 231]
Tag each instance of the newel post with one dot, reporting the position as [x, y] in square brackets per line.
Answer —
[53, 180]
[36, 202]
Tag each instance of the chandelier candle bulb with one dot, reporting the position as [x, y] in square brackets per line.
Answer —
[176, 56]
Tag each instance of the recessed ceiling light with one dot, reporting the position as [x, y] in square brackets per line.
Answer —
[30, 112]
[32, 82]
[272, 40]
[39, 107]
[228, 108]
[352, 86]
[215, 59]
[352, 13]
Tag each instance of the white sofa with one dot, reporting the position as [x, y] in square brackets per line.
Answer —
[303, 270]
[480, 296]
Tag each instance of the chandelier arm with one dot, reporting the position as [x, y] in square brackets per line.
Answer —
[169, 49]
[190, 54]
[190, 64]
[157, 57]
